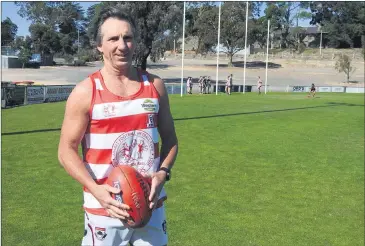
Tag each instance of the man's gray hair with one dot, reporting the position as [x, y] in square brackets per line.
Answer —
[113, 12]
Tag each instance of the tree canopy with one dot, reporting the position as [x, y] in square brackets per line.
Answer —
[63, 27]
[8, 31]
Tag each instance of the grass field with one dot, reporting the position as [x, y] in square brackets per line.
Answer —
[277, 169]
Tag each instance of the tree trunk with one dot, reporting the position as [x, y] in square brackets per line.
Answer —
[198, 48]
[230, 63]
[144, 59]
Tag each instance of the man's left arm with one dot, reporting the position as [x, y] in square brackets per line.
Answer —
[169, 145]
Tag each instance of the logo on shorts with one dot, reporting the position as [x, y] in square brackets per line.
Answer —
[149, 105]
[164, 227]
[100, 233]
[135, 149]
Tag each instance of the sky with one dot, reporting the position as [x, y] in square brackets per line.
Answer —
[9, 9]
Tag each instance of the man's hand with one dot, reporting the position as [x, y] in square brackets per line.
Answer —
[113, 207]
[157, 183]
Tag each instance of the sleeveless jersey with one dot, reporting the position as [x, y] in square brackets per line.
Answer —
[121, 130]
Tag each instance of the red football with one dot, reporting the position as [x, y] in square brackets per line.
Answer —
[135, 191]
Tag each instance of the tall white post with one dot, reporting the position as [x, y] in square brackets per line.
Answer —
[183, 53]
[219, 36]
[320, 44]
[267, 52]
[244, 68]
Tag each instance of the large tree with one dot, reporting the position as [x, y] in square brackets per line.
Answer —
[343, 22]
[233, 21]
[56, 24]
[45, 40]
[284, 15]
[202, 23]
[8, 31]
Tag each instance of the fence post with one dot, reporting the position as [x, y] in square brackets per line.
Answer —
[44, 93]
[26, 95]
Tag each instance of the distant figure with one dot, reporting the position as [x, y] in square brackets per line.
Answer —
[200, 82]
[205, 85]
[229, 84]
[209, 84]
[259, 85]
[189, 85]
[312, 91]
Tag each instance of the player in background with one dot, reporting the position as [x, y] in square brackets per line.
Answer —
[200, 83]
[229, 84]
[259, 85]
[209, 84]
[312, 91]
[189, 85]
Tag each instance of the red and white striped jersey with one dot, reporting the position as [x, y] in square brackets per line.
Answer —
[122, 130]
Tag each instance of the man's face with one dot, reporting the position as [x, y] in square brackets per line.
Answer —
[117, 44]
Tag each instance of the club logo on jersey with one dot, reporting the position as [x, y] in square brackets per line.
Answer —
[149, 105]
[151, 121]
[109, 110]
[135, 149]
[118, 196]
[100, 233]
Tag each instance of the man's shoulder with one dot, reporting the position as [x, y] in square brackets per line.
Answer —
[81, 93]
[84, 86]
[158, 83]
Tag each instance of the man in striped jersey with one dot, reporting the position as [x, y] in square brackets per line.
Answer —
[118, 114]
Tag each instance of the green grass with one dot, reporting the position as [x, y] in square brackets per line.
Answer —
[249, 172]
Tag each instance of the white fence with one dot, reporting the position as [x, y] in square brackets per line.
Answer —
[22, 95]
[290, 88]
[13, 95]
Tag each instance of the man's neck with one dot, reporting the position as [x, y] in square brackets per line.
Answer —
[122, 75]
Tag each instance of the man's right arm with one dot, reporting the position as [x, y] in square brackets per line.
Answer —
[73, 129]
[74, 125]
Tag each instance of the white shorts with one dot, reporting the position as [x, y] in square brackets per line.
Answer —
[107, 231]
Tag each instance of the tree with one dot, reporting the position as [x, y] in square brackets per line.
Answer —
[45, 40]
[233, 21]
[40, 12]
[24, 46]
[71, 25]
[259, 31]
[202, 23]
[282, 16]
[24, 56]
[55, 23]
[343, 64]
[342, 21]
[8, 31]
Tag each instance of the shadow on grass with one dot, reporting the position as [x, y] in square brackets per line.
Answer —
[157, 66]
[252, 65]
[330, 104]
